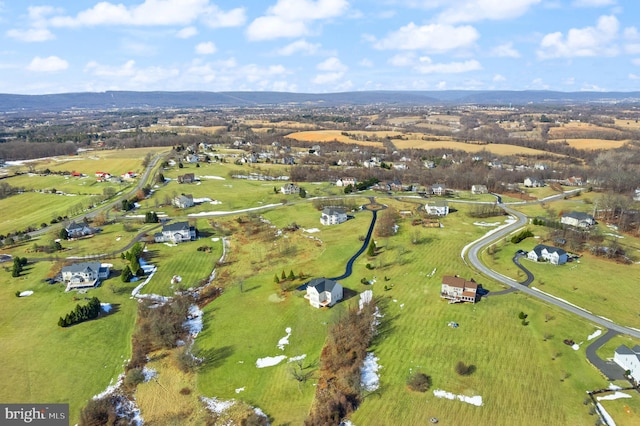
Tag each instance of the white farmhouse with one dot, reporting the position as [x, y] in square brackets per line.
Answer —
[553, 255]
[629, 360]
[437, 207]
[84, 275]
[479, 189]
[333, 216]
[578, 219]
[323, 292]
[176, 233]
[289, 189]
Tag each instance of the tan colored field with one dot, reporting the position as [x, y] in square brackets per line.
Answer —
[404, 120]
[574, 130]
[280, 124]
[591, 144]
[497, 149]
[336, 135]
[438, 127]
[185, 129]
[443, 118]
[628, 124]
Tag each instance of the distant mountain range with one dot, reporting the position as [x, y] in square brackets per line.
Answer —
[152, 100]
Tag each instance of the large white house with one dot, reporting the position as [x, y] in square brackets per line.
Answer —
[183, 201]
[553, 255]
[346, 181]
[479, 189]
[333, 216]
[531, 182]
[84, 275]
[289, 189]
[78, 229]
[323, 292]
[437, 207]
[629, 359]
[176, 233]
[578, 219]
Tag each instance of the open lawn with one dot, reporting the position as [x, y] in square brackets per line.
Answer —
[19, 212]
[601, 286]
[41, 362]
[591, 144]
[67, 184]
[546, 389]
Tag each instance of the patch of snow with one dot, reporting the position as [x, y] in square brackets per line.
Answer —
[474, 400]
[194, 321]
[486, 223]
[149, 373]
[614, 387]
[111, 388]
[507, 222]
[311, 230]
[594, 334]
[365, 298]
[269, 361]
[615, 395]
[613, 235]
[606, 416]
[214, 239]
[240, 390]
[170, 245]
[212, 177]
[216, 405]
[575, 346]
[26, 293]
[401, 305]
[106, 265]
[106, 307]
[297, 358]
[214, 202]
[202, 200]
[369, 378]
[285, 340]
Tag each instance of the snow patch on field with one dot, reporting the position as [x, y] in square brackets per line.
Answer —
[605, 416]
[474, 400]
[594, 334]
[486, 223]
[297, 358]
[615, 395]
[26, 293]
[232, 212]
[240, 390]
[270, 361]
[218, 406]
[106, 307]
[194, 321]
[369, 378]
[212, 177]
[202, 200]
[149, 373]
[311, 230]
[285, 340]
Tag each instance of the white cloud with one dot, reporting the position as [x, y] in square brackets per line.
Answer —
[430, 38]
[505, 51]
[327, 78]
[291, 18]
[31, 34]
[538, 83]
[129, 75]
[366, 63]
[593, 3]
[580, 42]
[499, 78]
[636, 62]
[152, 12]
[48, 64]
[206, 48]
[634, 76]
[427, 66]
[332, 64]
[479, 10]
[187, 32]
[299, 46]
[403, 60]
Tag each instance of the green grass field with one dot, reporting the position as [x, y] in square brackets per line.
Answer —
[45, 363]
[67, 184]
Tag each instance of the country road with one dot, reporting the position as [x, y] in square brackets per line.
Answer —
[473, 251]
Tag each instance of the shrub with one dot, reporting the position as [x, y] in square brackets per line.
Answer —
[463, 369]
[522, 315]
[185, 391]
[99, 412]
[134, 377]
[521, 236]
[419, 382]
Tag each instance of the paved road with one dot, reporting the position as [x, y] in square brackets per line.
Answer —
[478, 245]
[609, 368]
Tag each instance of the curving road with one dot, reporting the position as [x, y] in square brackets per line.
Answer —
[478, 245]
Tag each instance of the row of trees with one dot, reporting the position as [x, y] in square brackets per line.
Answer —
[133, 268]
[81, 313]
[18, 264]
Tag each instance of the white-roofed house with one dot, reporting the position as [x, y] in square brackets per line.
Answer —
[629, 360]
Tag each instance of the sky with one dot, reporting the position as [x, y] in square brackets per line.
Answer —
[318, 46]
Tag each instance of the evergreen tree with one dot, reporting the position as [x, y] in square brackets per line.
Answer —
[291, 276]
[283, 276]
[303, 193]
[371, 251]
[276, 279]
[126, 274]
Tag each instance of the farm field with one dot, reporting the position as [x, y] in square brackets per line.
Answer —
[591, 144]
[577, 130]
[115, 162]
[415, 336]
[498, 149]
[43, 362]
[627, 124]
[201, 130]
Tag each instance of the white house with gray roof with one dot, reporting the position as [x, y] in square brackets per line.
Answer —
[176, 232]
[333, 216]
[629, 359]
[553, 255]
[437, 207]
[78, 229]
[84, 275]
[578, 219]
[323, 292]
